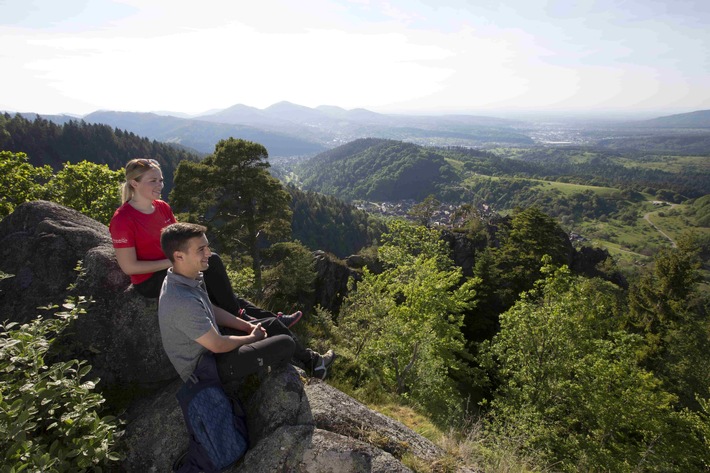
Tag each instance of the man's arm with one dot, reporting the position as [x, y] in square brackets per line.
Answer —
[217, 343]
[225, 319]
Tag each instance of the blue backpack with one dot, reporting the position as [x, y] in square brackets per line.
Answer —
[216, 423]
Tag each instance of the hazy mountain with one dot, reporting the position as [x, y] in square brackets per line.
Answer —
[697, 119]
[331, 125]
[202, 135]
[287, 129]
[237, 114]
[58, 119]
[165, 113]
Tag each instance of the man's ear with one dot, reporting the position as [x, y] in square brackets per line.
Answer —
[178, 255]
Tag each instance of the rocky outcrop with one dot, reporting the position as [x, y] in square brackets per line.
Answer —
[41, 244]
[331, 285]
[296, 424]
[463, 250]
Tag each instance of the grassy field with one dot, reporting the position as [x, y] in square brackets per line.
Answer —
[674, 221]
[569, 189]
[674, 164]
[636, 244]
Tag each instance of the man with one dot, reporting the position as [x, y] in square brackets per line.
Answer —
[190, 323]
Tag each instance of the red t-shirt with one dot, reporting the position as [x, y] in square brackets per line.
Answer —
[133, 229]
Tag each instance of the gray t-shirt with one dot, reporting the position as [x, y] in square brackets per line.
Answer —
[184, 314]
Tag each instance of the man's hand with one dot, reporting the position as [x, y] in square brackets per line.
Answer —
[259, 333]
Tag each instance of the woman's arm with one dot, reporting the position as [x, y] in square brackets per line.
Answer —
[130, 264]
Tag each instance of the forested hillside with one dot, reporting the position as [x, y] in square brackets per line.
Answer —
[375, 169]
[323, 222]
[48, 143]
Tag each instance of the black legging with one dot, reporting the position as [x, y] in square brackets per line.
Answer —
[219, 288]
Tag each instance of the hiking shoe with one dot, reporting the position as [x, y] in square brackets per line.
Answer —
[321, 363]
[289, 320]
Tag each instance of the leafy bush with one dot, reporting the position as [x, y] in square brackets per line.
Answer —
[49, 419]
[90, 188]
[87, 187]
[403, 327]
[570, 384]
[20, 181]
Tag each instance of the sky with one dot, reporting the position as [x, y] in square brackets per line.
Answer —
[397, 56]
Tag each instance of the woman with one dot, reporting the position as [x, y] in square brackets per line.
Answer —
[135, 230]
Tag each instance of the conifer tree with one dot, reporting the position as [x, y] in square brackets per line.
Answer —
[232, 191]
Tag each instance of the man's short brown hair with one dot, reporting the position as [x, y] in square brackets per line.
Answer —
[174, 237]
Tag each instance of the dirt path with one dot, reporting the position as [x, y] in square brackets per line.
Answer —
[648, 219]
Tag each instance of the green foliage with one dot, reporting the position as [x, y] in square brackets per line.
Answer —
[289, 281]
[570, 384]
[323, 222]
[20, 181]
[530, 235]
[49, 419]
[374, 169]
[423, 211]
[666, 308]
[90, 188]
[700, 210]
[318, 331]
[233, 191]
[402, 327]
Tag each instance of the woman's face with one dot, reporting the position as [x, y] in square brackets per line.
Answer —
[150, 185]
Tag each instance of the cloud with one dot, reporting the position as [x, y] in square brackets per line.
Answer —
[386, 55]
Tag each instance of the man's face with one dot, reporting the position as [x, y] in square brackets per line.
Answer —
[195, 258]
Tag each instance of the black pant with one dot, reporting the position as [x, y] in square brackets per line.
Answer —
[275, 350]
[255, 357]
[219, 288]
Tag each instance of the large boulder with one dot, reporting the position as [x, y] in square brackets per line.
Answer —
[41, 244]
[295, 425]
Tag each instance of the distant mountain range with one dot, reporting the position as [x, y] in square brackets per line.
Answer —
[697, 119]
[288, 129]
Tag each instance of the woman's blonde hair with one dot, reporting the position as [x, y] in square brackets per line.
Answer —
[134, 171]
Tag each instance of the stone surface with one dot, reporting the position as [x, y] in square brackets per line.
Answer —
[331, 284]
[295, 425]
[41, 244]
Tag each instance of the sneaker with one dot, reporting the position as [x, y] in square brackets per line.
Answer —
[321, 363]
[289, 320]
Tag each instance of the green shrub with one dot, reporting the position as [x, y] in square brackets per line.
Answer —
[49, 419]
